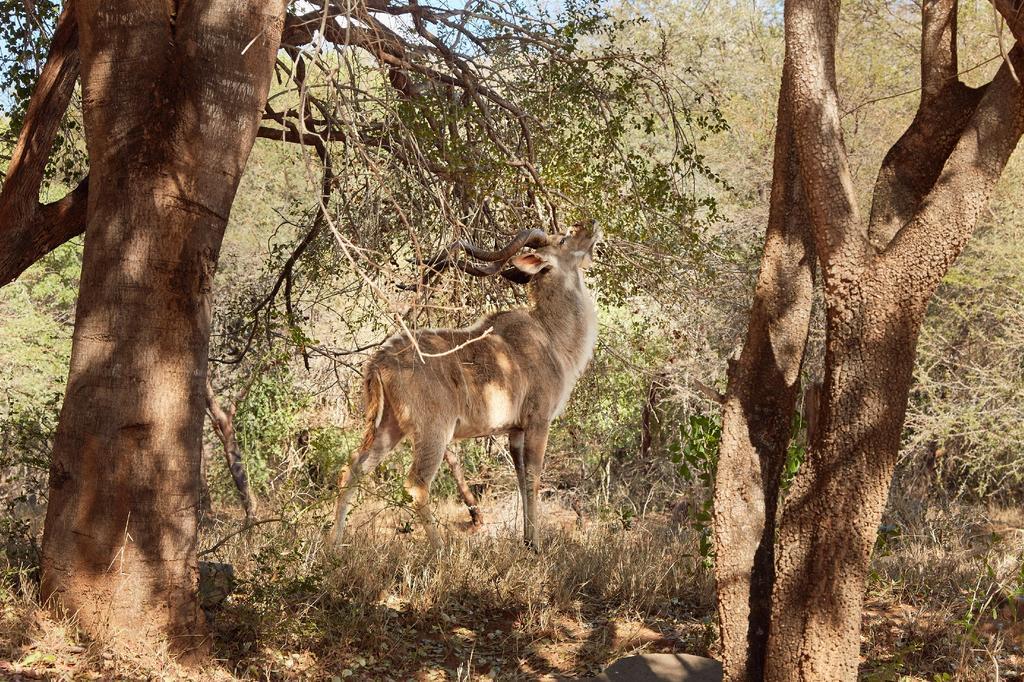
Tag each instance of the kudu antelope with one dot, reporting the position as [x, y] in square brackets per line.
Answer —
[510, 373]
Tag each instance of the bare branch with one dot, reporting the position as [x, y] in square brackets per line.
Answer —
[922, 251]
[248, 525]
[224, 426]
[383, 44]
[48, 226]
[709, 392]
[841, 238]
[29, 230]
[912, 165]
[1013, 12]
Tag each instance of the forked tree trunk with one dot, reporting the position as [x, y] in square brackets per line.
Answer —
[878, 277]
[172, 98]
[830, 520]
[875, 302]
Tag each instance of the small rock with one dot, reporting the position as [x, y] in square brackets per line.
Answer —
[216, 582]
[662, 668]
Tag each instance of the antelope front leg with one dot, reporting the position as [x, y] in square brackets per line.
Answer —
[535, 442]
[515, 450]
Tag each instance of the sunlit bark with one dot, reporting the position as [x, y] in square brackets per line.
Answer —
[172, 102]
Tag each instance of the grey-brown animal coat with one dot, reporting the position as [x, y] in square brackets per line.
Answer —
[511, 372]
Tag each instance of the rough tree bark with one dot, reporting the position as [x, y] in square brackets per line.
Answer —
[757, 416]
[875, 301]
[172, 98]
[878, 277]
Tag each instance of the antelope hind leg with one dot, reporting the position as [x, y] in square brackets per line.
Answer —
[384, 439]
[476, 517]
[426, 459]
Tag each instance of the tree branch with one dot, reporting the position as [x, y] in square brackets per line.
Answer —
[922, 251]
[28, 229]
[223, 422]
[385, 46]
[1013, 12]
[938, 47]
[841, 239]
[912, 165]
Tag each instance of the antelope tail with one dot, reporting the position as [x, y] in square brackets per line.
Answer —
[373, 389]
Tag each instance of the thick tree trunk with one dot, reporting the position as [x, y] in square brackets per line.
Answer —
[831, 514]
[878, 277]
[757, 418]
[875, 298]
[172, 102]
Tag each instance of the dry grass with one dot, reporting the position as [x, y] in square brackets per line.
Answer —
[34, 645]
[945, 594]
[389, 606]
[944, 601]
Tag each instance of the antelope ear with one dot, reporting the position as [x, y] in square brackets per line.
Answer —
[530, 263]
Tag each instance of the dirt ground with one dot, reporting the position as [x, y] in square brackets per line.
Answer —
[945, 600]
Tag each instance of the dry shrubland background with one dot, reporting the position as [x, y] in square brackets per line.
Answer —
[625, 566]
